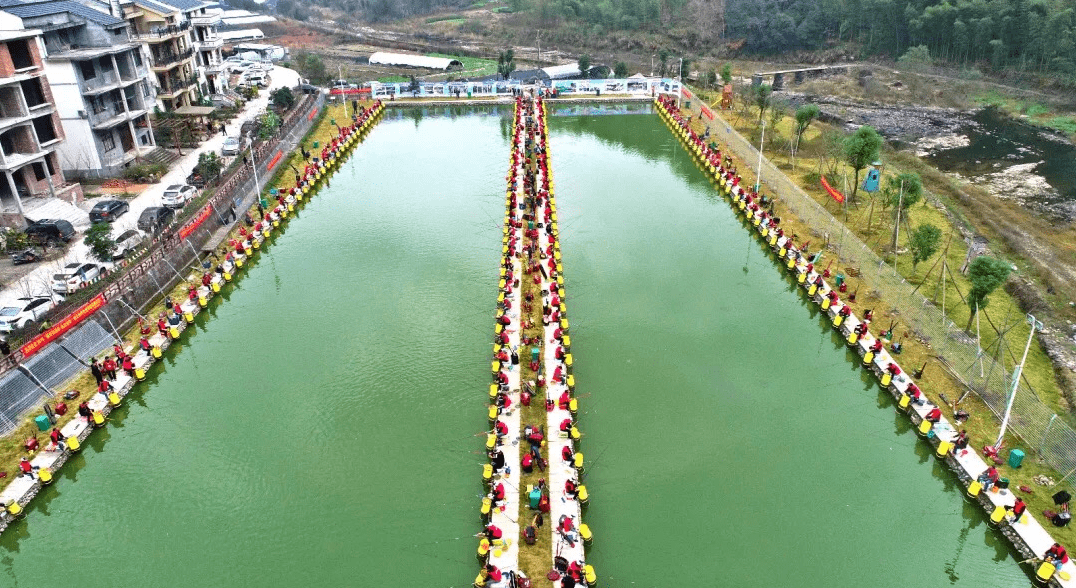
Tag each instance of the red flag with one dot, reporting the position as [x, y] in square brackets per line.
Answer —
[832, 192]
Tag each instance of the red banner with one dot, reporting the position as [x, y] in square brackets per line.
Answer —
[275, 160]
[195, 223]
[312, 114]
[832, 192]
[350, 92]
[706, 112]
[66, 324]
[687, 93]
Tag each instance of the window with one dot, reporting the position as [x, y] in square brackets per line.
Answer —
[33, 91]
[44, 128]
[145, 90]
[20, 54]
[108, 141]
[88, 70]
[137, 58]
[39, 172]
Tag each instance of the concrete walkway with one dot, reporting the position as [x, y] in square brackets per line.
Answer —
[37, 280]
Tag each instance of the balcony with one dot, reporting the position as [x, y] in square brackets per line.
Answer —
[164, 33]
[171, 88]
[213, 42]
[102, 82]
[169, 60]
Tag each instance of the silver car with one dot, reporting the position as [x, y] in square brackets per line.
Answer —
[230, 147]
[128, 242]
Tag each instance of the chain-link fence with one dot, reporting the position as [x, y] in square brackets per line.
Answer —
[981, 372]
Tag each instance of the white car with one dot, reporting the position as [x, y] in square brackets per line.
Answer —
[230, 147]
[23, 312]
[178, 195]
[127, 242]
[74, 276]
[254, 78]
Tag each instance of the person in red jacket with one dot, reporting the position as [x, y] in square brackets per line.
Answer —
[493, 532]
[1056, 555]
[988, 478]
[1017, 509]
[934, 415]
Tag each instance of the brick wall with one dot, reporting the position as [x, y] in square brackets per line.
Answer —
[7, 69]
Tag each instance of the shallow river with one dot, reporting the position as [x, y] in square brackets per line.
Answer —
[319, 430]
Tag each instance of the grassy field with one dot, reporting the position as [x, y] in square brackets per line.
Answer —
[472, 66]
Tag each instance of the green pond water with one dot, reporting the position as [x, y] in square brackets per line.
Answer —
[319, 429]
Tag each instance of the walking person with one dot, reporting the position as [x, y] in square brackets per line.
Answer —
[95, 369]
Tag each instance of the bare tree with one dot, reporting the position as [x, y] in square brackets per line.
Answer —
[708, 17]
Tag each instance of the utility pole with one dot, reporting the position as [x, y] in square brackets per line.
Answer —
[896, 226]
[680, 77]
[538, 40]
[1016, 379]
[758, 174]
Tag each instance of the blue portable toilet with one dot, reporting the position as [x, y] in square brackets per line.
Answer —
[874, 177]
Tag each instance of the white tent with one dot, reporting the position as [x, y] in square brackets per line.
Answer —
[560, 72]
[410, 60]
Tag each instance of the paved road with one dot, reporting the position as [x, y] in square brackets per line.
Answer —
[36, 278]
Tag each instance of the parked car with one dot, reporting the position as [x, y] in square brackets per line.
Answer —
[50, 230]
[178, 195]
[28, 255]
[74, 277]
[308, 89]
[127, 242]
[155, 218]
[231, 146]
[107, 211]
[23, 312]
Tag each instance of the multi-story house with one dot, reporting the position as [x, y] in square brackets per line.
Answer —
[205, 20]
[165, 34]
[30, 129]
[182, 45]
[99, 80]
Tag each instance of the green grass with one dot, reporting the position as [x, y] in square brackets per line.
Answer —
[1034, 110]
[474, 66]
[393, 79]
[454, 18]
[503, 10]
[1066, 124]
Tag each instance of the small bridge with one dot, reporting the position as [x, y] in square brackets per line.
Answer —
[798, 75]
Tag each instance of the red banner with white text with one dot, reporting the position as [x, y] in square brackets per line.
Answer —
[66, 324]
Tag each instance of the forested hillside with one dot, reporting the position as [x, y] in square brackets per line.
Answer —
[1038, 35]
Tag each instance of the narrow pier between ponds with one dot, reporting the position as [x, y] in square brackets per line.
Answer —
[532, 408]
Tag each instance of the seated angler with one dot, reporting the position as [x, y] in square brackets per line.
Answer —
[496, 459]
[934, 415]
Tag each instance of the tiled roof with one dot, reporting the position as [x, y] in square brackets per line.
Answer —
[187, 5]
[157, 7]
[35, 9]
